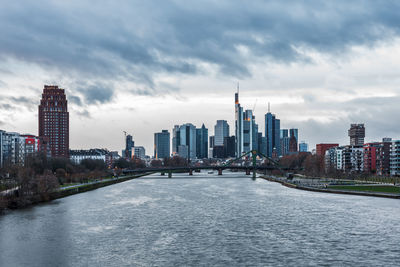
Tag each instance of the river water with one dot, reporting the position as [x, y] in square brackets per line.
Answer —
[203, 220]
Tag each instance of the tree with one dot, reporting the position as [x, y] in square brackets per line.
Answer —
[156, 163]
[93, 164]
[121, 163]
[61, 175]
[175, 161]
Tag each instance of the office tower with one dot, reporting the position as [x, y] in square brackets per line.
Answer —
[293, 140]
[247, 131]
[129, 144]
[284, 142]
[175, 139]
[187, 133]
[221, 130]
[162, 145]
[238, 126]
[303, 147]
[54, 120]
[202, 142]
[254, 134]
[212, 141]
[272, 133]
[357, 134]
[295, 133]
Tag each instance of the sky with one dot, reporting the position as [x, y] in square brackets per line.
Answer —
[144, 66]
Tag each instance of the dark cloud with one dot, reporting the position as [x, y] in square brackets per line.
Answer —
[84, 113]
[75, 100]
[6, 107]
[136, 40]
[97, 94]
[22, 100]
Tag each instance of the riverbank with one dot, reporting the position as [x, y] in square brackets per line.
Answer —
[291, 184]
[15, 203]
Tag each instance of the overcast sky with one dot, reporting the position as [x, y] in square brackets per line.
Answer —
[144, 66]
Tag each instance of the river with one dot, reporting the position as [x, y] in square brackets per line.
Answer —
[203, 220]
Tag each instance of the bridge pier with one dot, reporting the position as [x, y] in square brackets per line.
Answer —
[169, 174]
[219, 171]
[247, 171]
[163, 174]
[190, 171]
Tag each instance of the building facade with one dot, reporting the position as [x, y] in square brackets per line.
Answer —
[54, 120]
[273, 134]
[303, 147]
[395, 158]
[162, 145]
[139, 152]
[15, 148]
[77, 156]
[221, 130]
[238, 126]
[357, 134]
[202, 142]
[322, 148]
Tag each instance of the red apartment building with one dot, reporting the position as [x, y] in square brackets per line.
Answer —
[54, 121]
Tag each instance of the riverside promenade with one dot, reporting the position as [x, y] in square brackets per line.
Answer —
[331, 186]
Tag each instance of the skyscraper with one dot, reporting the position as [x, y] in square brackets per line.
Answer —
[162, 144]
[221, 130]
[247, 131]
[293, 141]
[175, 139]
[285, 139]
[357, 134]
[272, 133]
[202, 142]
[54, 120]
[187, 141]
[238, 125]
[129, 144]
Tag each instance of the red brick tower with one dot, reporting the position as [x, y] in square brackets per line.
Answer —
[54, 120]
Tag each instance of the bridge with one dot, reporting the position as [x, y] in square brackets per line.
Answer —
[248, 168]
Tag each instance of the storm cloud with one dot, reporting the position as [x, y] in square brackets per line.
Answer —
[135, 40]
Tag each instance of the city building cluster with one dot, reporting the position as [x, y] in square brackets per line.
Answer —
[380, 158]
[192, 143]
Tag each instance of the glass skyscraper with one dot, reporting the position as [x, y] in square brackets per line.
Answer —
[202, 142]
[162, 144]
[272, 133]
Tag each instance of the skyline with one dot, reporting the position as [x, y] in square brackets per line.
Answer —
[322, 66]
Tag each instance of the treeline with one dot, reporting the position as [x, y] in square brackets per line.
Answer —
[23, 185]
[305, 163]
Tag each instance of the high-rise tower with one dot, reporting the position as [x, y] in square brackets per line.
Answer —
[272, 133]
[357, 134]
[54, 120]
[238, 125]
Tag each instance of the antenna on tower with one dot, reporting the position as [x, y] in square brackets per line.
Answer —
[254, 107]
[238, 87]
[269, 108]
